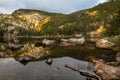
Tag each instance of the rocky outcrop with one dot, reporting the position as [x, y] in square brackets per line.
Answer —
[107, 72]
[72, 41]
[104, 43]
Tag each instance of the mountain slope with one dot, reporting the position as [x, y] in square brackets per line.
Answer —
[92, 21]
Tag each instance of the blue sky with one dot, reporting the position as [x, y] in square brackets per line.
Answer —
[58, 6]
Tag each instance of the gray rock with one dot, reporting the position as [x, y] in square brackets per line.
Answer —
[49, 61]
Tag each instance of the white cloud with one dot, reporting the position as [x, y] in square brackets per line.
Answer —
[59, 6]
[101, 1]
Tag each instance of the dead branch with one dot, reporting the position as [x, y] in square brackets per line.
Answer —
[83, 72]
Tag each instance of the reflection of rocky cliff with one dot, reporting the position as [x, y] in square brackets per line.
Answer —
[22, 52]
[10, 34]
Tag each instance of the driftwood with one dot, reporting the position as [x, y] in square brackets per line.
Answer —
[83, 72]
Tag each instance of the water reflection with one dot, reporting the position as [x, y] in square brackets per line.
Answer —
[21, 59]
[10, 69]
[25, 50]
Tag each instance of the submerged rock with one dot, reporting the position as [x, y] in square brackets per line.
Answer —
[104, 43]
[107, 72]
[49, 61]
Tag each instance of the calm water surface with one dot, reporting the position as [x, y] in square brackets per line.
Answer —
[13, 70]
[77, 56]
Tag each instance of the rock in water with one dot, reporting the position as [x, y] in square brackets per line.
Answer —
[46, 42]
[38, 43]
[49, 61]
[104, 43]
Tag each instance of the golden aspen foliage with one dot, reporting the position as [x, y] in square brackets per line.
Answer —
[41, 23]
[8, 17]
[98, 31]
[92, 13]
[94, 24]
[23, 17]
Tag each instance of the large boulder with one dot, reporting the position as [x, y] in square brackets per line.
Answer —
[49, 61]
[107, 72]
[104, 43]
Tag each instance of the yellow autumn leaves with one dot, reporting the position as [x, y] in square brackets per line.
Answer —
[30, 50]
[38, 25]
[98, 31]
[41, 23]
[92, 13]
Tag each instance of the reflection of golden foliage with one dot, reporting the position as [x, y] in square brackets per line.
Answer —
[31, 50]
[41, 23]
[91, 57]
[48, 52]
[10, 55]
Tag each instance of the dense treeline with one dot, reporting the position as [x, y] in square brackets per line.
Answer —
[115, 26]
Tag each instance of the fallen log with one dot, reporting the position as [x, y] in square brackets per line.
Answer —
[85, 73]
